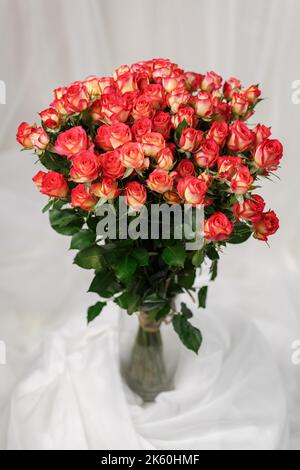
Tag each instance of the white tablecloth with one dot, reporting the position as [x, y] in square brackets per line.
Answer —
[230, 396]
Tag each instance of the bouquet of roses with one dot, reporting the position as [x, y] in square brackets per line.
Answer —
[153, 134]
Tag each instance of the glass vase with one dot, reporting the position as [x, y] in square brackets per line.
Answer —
[146, 372]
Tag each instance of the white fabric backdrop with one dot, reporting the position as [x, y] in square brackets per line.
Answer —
[46, 44]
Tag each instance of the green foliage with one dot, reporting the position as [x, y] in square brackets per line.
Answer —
[240, 234]
[189, 335]
[83, 239]
[125, 268]
[129, 301]
[95, 310]
[174, 255]
[66, 221]
[54, 162]
[202, 295]
[105, 284]
[89, 258]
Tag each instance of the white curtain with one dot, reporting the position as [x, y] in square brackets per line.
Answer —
[46, 44]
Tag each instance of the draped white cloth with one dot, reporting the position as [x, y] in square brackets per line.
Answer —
[229, 397]
[42, 296]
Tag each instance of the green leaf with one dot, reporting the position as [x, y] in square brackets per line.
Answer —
[129, 301]
[142, 256]
[186, 278]
[163, 312]
[174, 255]
[179, 129]
[105, 284]
[198, 258]
[213, 270]
[66, 221]
[189, 335]
[54, 162]
[48, 206]
[95, 311]
[212, 252]
[202, 295]
[125, 268]
[186, 312]
[89, 258]
[154, 302]
[82, 239]
[240, 234]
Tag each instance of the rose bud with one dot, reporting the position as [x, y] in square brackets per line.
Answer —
[52, 184]
[50, 119]
[120, 71]
[250, 209]
[208, 154]
[252, 94]
[38, 179]
[85, 167]
[142, 80]
[193, 80]
[141, 127]
[156, 95]
[187, 114]
[211, 81]
[112, 137]
[206, 177]
[76, 98]
[203, 104]
[190, 139]
[72, 141]
[152, 142]
[105, 83]
[185, 168]
[160, 181]
[132, 156]
[114, 108]
[241, 181]
[23, 135]
[222, 110]
[142, 108]
[172, 198]
[110, 163]
[268, 154]
[261, 133]
[227, 166]
[126, 83]
[135, 195]
[162, 124]
[218, 132]
[60, 92]
[39, 139]
[231, 86]
[192, 190]
[80, 197]
[267, 225]
[239, 105]
[240, 137]
[218, 227]
[106, 189]
[165, 159]
[95, 111]
[178, 97]
[93, 87]
[172, 82]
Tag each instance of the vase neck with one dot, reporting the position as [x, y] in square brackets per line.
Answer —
[147, 323]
